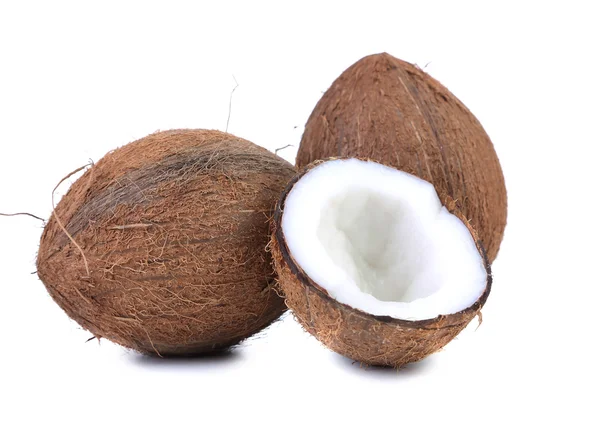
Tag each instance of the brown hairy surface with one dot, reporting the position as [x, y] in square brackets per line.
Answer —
[373, 340]
[391, 111]
[173, 228]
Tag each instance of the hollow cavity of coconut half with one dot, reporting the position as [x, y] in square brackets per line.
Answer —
[373, 264]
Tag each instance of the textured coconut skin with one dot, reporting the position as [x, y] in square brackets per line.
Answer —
[391, 111]
[173, 228]
[372, 340]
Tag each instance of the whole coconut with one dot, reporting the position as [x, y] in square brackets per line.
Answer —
[391, 111]
[163, 246]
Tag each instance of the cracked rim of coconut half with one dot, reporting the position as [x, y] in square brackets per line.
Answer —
[373, 264]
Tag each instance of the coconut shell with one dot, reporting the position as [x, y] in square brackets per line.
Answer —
[163, 246]
[365, 338]
[391, 111]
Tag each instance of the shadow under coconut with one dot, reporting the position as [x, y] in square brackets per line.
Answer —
[412, 369]
[221, 358]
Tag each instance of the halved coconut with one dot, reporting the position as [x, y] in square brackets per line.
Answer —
[373, 264]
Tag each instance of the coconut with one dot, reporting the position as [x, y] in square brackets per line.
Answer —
[373, 264]
[160, 246]
[391, 111]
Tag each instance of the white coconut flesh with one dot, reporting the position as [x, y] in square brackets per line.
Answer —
[379, 240]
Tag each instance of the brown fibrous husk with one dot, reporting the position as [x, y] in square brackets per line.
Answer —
[362, 337]
[164, 243]
[391, 111]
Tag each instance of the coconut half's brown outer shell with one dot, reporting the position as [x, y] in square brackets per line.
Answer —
[391, 111]
[174, 228]
[372, 340]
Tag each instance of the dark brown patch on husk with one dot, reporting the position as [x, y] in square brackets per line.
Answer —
[391, 111]
[174, 228]
[373, 340]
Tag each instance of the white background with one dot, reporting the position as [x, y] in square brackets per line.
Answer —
[79, 79]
